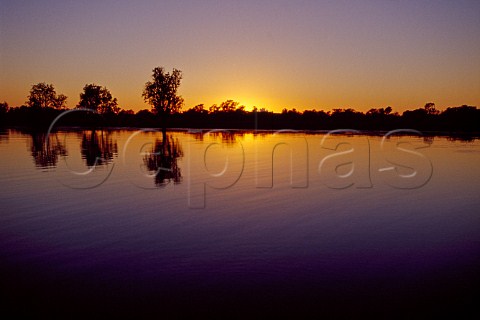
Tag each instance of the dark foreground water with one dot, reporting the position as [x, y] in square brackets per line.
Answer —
[129, 222]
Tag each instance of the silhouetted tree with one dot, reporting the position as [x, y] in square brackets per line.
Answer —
[199, 108]
[214, 108]
[43, 95]
[417, 119]
[463, 118]
[430, 108]
[229, 106]
[346, 118]
[161, 94]
[373, 112]
[3, 107]
[99, 99]
[380, 119]
[163, 161]
[240, 110]
[3, 111]
[381, 111]
[129, 112]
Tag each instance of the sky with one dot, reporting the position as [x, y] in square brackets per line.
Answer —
[269, 54]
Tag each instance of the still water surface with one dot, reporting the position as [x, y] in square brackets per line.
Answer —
[204, 220]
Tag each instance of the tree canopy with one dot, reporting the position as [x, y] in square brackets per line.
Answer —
[43, 95]
[161, 92]
[99, 99]
[430, 108]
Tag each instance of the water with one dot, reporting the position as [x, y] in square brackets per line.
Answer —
[129, 221]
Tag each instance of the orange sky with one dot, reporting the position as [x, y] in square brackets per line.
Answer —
[273, 54]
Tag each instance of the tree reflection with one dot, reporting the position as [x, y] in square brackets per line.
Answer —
[163, 161]
[428, 139]
[45, 153]
[4, 135]
[98, 148]
[197, 134]
[462, 138]
[227, 137]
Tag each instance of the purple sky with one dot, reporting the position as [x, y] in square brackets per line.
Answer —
[273, 54]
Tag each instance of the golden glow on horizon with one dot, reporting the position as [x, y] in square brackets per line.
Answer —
[312, 55]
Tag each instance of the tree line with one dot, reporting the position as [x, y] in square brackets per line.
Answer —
[167, 110]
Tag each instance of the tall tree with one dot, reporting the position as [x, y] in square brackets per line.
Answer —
[43, 95]
[161, 93]
[98, 98]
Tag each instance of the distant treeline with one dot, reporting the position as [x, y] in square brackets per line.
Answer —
[98, 108]
[230, 115]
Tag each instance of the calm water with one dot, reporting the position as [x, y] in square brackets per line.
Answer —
[126, 220]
